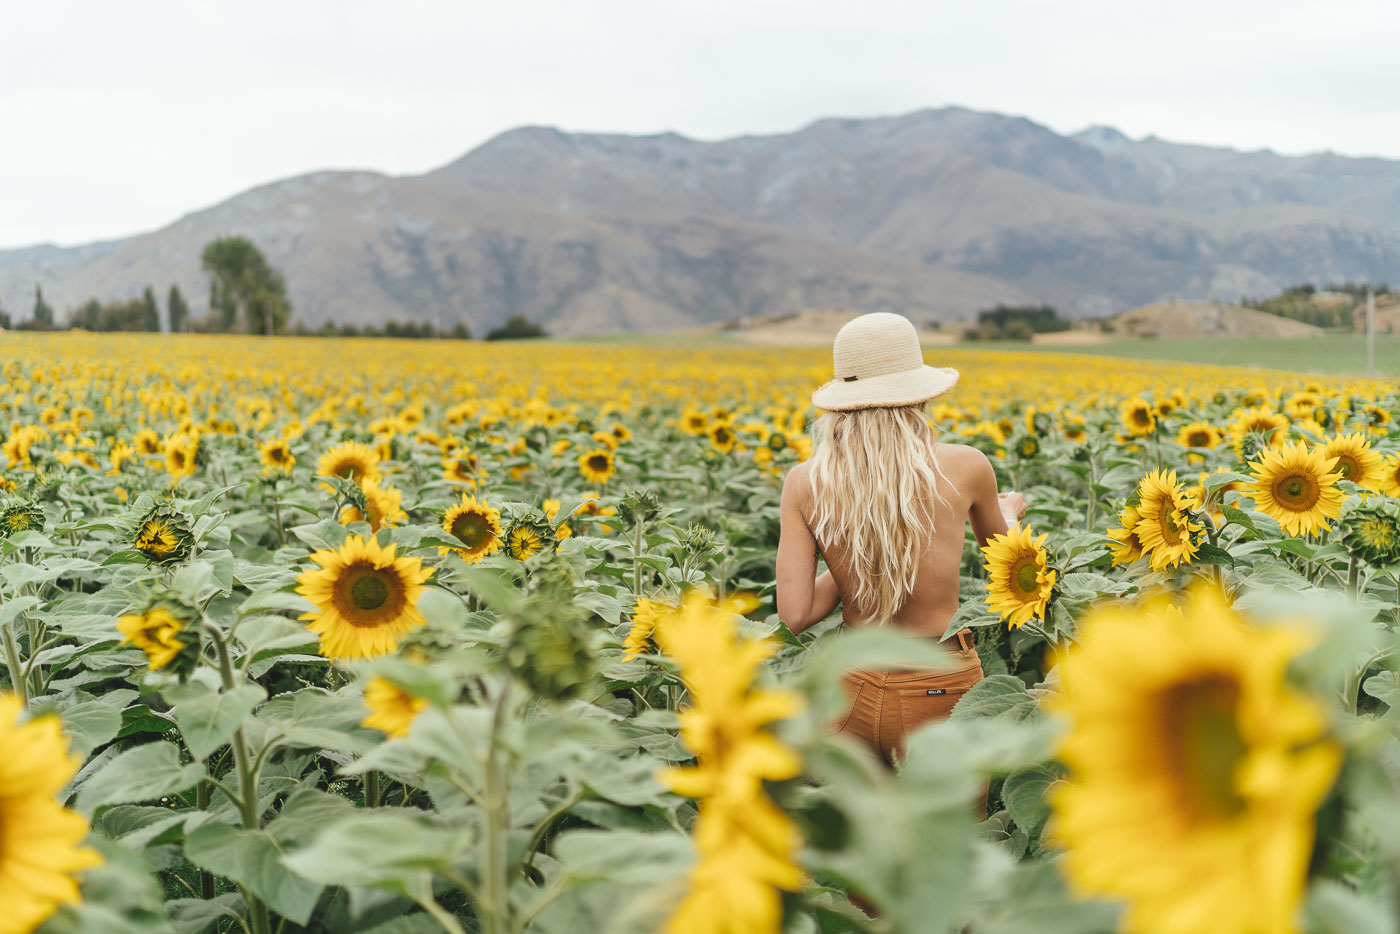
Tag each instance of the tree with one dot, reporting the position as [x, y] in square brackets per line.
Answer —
[242, 283]
[515, 328]
[460, 332]
[43, 311]
[177, 310]
[152, 316]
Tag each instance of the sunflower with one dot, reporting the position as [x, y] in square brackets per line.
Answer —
[524, 541]
[40, 840]
[1164, 526]
[694, 422]
[1138, 418]
[1297, 486]
[1128, 549]
[1019, 583]
[620, 432]
[1388, 481]
[722, 437]
[384, 507]
[350, 460]
[1195, 769]
[477, 525]
[276, 455]
[1356, 461]
[156, 632]
[1258, 420]
[181, 455]
[461, 469]
[20, 517]
[163, 535]
[147, 443]
[1200, 435]
[597, 466]
[1377, 420]
[643, 623]
[366, 598]
[1028, 447]
[391, 708]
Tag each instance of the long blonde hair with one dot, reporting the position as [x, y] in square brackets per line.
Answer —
[874, 479]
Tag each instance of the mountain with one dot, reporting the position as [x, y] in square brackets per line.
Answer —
[935, 214]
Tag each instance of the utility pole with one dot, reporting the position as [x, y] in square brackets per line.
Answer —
[1370, 332]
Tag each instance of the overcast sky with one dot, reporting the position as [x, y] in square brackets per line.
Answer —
[118, 117]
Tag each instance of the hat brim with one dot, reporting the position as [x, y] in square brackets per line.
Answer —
[904, 388]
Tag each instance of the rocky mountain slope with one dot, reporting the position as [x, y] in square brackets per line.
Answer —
[935, 214]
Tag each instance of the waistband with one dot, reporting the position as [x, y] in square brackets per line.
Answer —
[963, 638]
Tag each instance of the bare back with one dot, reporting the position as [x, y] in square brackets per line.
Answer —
[969, 495]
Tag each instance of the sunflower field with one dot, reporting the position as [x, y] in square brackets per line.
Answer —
[382, 637]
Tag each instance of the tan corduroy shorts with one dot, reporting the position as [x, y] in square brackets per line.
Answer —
[885, 706]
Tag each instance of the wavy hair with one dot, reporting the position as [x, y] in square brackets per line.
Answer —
[874, 480]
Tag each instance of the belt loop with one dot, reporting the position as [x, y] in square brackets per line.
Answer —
[966, 640]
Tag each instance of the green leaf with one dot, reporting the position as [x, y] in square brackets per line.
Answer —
[1238, 517]
[623, 856]
[91, 722]
[207, 719]
[1215, 481]
[276, 600]
[1024, 794]
[392, 848]
[14, 606]
[326, 535]
[998, 697]
[197, 916]
[1294, 546]
[140, 774]
[1211, 554]
[253, 859]
[315, 719]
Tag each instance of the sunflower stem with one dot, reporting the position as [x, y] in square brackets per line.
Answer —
[1353, 570]
[494, 904]
[12, 663]
[637, 558]
[372, 793]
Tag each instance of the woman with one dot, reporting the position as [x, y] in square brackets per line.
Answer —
[886, 505]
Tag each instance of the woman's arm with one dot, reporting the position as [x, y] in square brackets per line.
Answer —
[802, 600]
[992, 513]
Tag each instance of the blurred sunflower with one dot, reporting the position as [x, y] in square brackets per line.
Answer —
[366, 598]
[392, 710]
[597, 466]
[350, 460]
[477, 525]
[384, 507]
[1195, 769]
[1258, 420]
[157, 633]
[147, 443]
[694, 422]
[276, 455]
[1388, 480]
[40, 840]
[722, 437]
[1019, 580]
[460, 469]
[1200, 435]
[1296, 485]
[1356, 461]
[638, 639]
[1137, 417]
[181, 455]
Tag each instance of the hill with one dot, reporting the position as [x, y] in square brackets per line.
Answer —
[935, 214]
[1175, 319]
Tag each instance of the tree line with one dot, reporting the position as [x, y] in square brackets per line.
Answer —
[246, 295]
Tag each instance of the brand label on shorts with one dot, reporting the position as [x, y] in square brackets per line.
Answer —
[937, 691]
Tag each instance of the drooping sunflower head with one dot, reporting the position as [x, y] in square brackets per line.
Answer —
[349, 460]
[164, 630]
[1184, 728]
[1356, 461]
[43, 853]
[1296, 485]
[477, 525]
[1128, 549]
[163, 535]
[21, 516]
[366, 598]
[597, 466]
[1019, 579]
[382, 507]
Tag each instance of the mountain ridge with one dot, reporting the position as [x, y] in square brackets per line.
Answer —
[935, 214]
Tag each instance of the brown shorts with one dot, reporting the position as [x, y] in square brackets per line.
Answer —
[887, 705]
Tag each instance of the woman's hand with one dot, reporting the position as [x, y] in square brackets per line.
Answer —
[1013, 506]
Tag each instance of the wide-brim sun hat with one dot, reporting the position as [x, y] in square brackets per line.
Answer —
[878, 363]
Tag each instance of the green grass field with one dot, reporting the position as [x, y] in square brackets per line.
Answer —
[1332, 353]
[1343, 354]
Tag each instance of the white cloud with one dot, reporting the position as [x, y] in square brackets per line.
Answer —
[119, 117]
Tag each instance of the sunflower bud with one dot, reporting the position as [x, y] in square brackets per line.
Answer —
[1371, 532]
[638, 506]
[167, 631]
[529, 535]
[1252, 445]
[163, 534]
[549, 648]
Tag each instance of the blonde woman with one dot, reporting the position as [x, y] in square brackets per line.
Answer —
[886, 505]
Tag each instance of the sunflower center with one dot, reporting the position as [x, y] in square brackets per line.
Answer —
[472, 529]
[1171, 529]
[598, 463]
[1346, 466]
[1296, 491]
[1142, 417]
[1199, 439]
[369, 592]
[1203, 746]
[1377, 533]
[1026, 574]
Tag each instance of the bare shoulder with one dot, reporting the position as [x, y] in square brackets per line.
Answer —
[962, 461]
[797, 483]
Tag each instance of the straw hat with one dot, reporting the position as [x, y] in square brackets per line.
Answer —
[879, 364]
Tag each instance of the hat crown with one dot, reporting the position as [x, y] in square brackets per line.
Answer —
[876, 344]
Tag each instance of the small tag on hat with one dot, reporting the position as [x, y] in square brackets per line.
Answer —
[849, 379]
